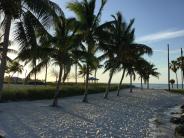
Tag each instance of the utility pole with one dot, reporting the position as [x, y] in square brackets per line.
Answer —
[182, 67]
[168, 69]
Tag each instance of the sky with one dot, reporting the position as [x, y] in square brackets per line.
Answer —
[157, 24]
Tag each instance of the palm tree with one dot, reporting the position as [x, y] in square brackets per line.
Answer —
[140, 69]
[14, 9]
[63, 42]
[180, 61]
[14, 67]
[55, 73]
[89, 22]
[30, 50]
[112, 66]
[172, 81]
[174, 67]
[83, 71]
[98, 66]
[150, 70]
[120, 48]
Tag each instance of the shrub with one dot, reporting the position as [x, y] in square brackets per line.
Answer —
[28, 92]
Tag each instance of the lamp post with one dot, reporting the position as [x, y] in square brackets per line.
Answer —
[168, 69]
[182, 67]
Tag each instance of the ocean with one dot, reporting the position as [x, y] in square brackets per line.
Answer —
[157, 86]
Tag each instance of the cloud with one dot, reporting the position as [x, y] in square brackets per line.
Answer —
[169, 34]
[165, 51]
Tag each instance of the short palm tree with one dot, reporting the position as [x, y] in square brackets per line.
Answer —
[140, 69]
[55, 73]
[98, 66]
[14, 67]
[172, 81]
[83, 71]
[89, 22]
[174, 67]
[150, 70]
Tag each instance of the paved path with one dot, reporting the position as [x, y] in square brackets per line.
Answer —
[126, 116]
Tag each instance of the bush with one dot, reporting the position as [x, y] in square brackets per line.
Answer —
[179, 130]
[178, 91]
[21, 92]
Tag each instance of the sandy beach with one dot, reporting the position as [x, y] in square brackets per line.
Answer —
[126, 116]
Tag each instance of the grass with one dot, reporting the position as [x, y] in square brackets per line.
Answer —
[31, 92]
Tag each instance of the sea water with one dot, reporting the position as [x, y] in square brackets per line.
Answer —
[157, 86]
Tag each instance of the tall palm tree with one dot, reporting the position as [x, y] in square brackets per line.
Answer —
[174, 67]
[30, 49]
[112, 66]
[180, 61]
[89, 22]
[119, 46]
[63, 42]
[14, 9]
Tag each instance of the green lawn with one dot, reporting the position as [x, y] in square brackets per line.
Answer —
[31, 92]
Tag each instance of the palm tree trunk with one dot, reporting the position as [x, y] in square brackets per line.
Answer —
[76, 73]
[35, 78]
[57, 94]
[182, 67]
[25, 80]
[64, 74]
[56, 79]
[141, 83]
[5, 50]
[148, 84]
[85, 98]
[35, 72]
[168, 67]
[95, 75]
[182, 78]
[177, 80]
[17, 78]
[131, 87]
[46, 67]
[119, 86]
[108, 86]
